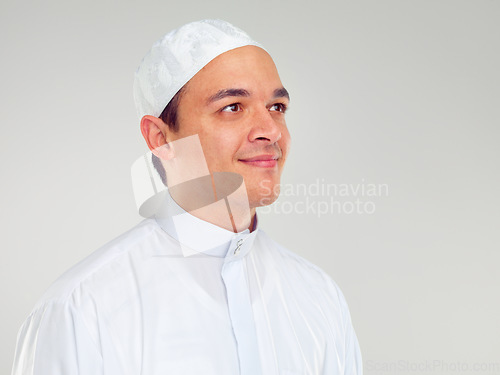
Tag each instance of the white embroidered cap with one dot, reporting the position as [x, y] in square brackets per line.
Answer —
[177, 57]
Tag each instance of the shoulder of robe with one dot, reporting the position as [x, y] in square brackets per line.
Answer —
[71, 284]
[310, 272]
[312, 278]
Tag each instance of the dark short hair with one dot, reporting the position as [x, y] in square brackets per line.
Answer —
[169, 117]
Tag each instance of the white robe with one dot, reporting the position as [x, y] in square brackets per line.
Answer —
[178, 295]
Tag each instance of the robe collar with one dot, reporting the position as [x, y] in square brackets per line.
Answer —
[197, 236]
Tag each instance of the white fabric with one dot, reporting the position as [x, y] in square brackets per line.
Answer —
[140, 305]
[177, 57]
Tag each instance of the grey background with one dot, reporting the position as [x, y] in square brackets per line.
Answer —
[403, 93]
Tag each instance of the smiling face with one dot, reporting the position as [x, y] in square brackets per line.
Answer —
[236, 104]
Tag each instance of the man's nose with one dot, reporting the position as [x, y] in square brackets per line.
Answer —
[264, 127]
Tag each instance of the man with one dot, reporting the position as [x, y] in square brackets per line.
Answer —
[198, 288]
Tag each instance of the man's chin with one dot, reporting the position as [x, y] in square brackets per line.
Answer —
[264, 194]
[265, 201]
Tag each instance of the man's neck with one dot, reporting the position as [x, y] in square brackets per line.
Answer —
[231, 212]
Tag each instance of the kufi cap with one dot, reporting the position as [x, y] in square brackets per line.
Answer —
[177, 57]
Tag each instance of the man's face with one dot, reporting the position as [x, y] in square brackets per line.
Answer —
[236, 104]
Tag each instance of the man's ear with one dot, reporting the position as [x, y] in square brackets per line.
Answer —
[154, 131]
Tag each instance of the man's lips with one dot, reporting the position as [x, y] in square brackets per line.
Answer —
[263, 161]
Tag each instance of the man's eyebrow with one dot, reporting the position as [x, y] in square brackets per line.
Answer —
[224, 93]
[281, 93]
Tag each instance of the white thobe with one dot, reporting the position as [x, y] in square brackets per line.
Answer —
[178, 295]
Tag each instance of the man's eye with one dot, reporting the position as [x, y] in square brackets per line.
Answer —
[279, 107]
[236, 107]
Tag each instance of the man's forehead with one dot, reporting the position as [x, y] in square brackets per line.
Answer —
[248, 71]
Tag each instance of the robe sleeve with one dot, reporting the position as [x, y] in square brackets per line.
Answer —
[55, 340]
[353, 361]
[349, 353]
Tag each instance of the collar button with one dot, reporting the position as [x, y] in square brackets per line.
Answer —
[238, 247]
